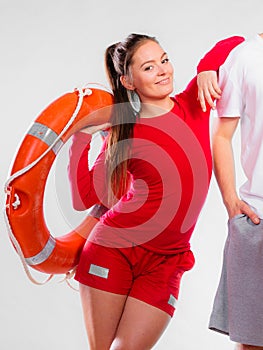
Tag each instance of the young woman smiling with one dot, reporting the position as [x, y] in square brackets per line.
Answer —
[153, 174]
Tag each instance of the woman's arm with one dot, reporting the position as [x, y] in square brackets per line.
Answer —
[85, 191]
[201, 96]
[214, 58]
[207, 70]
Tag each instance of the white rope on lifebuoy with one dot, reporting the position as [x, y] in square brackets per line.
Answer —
[21, 255]
[71, 120]
[81, 93]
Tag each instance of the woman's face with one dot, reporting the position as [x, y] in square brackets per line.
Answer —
[152, 72]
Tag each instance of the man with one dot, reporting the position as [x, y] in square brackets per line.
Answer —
[238, 304]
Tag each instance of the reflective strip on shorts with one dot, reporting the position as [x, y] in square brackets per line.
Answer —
[172, 300]
[99, 271]
[47, 135]
[44, 254]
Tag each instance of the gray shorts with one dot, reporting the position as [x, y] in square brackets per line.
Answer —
[238, 304]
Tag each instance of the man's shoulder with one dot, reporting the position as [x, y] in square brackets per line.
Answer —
[246, 46]
[240, 54]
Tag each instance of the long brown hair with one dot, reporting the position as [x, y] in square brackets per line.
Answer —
[118, 58]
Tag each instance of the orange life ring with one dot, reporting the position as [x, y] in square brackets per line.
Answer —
[25, 193]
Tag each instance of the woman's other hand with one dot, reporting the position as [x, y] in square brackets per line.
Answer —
[208, 89]
[95, 128]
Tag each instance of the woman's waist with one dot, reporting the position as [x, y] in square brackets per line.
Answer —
[168, 240]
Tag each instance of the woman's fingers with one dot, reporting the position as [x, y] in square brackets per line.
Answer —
[208, 89]
[94, 128]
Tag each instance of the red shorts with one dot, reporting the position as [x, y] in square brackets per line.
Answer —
[142, 274]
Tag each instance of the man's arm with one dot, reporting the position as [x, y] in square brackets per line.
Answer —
[224, 167]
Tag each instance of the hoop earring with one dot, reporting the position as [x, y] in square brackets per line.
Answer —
[134, 100]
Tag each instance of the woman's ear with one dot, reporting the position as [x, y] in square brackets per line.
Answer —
[125, 80]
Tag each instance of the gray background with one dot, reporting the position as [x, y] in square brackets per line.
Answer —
[50, 47]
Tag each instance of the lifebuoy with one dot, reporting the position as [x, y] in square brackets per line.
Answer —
[25, 191]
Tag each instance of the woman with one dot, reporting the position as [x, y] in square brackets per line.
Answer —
[153, 173]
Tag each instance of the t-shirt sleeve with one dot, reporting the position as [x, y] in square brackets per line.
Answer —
[230, 81]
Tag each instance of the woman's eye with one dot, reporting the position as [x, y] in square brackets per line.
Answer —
[165, 60]
[148, 68]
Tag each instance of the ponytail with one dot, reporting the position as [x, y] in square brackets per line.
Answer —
[118, 58]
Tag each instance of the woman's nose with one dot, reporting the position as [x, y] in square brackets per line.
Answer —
[161, 69]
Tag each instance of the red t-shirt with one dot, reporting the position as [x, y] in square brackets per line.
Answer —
[170, 167]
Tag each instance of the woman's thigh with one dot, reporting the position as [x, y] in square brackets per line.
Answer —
[102, 312]
[140, 327]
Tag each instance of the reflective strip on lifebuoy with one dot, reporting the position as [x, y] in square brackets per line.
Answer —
[44, 254]
[45, 134]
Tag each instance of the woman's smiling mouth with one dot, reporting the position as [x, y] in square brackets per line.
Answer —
[164, 81]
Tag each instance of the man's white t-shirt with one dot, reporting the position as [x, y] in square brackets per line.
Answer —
[241, 80]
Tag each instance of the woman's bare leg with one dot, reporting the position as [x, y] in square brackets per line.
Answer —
[102, 312]
[140, 327]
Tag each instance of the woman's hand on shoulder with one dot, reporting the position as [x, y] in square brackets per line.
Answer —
[208, 89]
